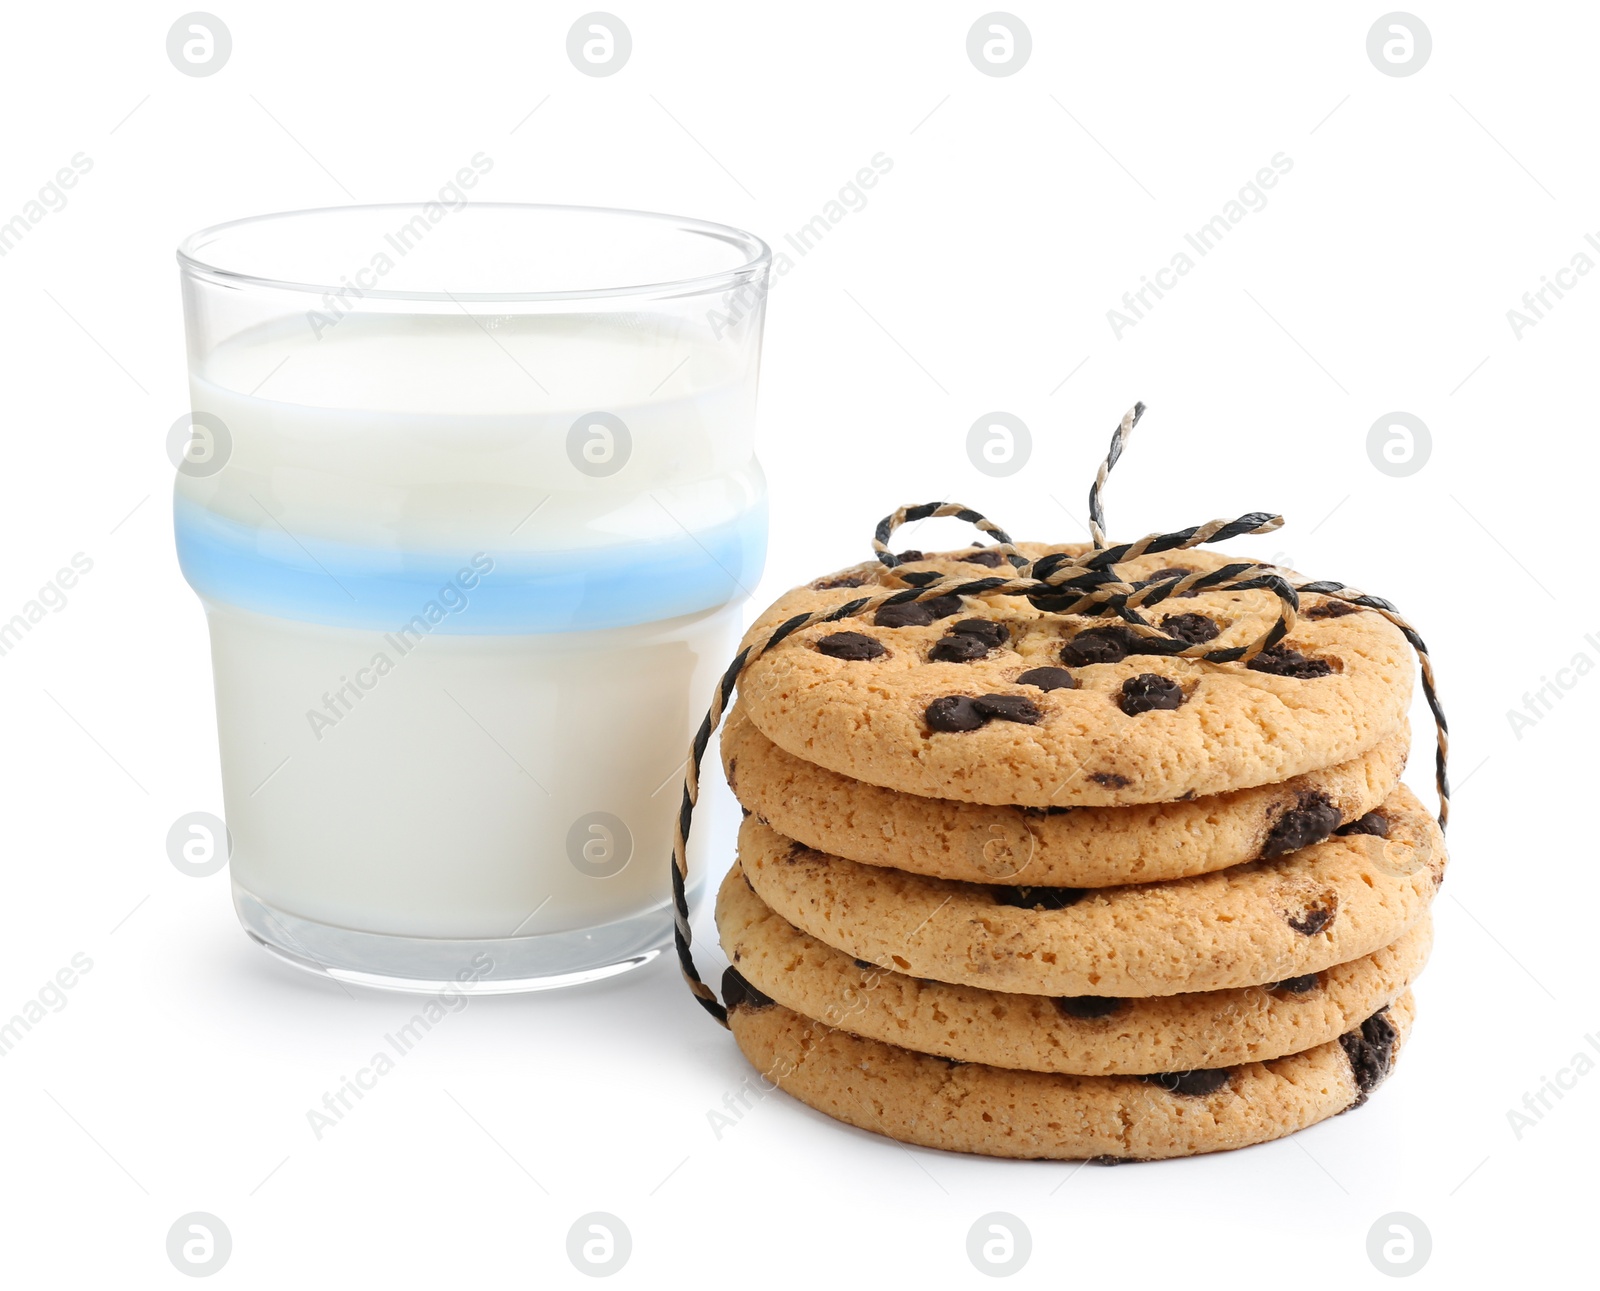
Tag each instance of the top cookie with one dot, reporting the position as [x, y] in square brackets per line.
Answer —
[992, 700]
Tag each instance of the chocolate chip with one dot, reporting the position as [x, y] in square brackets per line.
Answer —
[954, 713]
[917, 614]
[1147, 692]
[865, 963]
[910, 614]
[1195, 1084]
[1297, 985]
[1054, 602]
[1374, 823]
[1113, 644]
[1048, 679]
[963, 713]
[1039, 898]
[1370, 1050]
[737, 993]
[1111, 781]
[1097, 645]
[958, 648]
[1281, 661]
[1009, 708]
[1316, 917]
[1192, 628]
[846, 580]
[986, 630]
[1087, 1007]
[1332, 610]
[989, 559]
[911, 555]
[922, 577]
[854, 646]
[1313, 818]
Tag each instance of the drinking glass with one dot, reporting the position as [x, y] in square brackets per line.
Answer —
[470, 498]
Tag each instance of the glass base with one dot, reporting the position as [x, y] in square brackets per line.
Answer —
[429, 965]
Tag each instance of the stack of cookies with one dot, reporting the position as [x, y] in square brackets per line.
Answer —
[1019, 882]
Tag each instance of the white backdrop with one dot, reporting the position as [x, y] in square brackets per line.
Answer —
[1408, 215]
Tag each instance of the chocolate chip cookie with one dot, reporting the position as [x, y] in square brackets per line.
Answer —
[993, 1111]
[990, 699]
[1062, 847]
[1093, 1035]
[1265, 921]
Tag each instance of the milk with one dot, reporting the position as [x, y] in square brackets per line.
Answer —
[459, 649]
[440, 803]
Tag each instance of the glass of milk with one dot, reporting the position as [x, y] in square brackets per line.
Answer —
[470, 497]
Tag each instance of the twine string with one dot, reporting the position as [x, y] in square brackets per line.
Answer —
[1087, 583]
[1119, 439]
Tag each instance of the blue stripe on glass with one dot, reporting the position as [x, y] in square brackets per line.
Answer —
[345, 584]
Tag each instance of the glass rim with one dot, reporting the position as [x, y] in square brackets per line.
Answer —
[757, 255]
